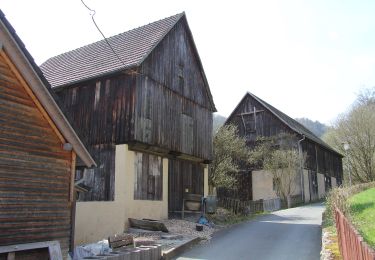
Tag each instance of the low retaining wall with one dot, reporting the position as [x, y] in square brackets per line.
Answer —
[352, 246]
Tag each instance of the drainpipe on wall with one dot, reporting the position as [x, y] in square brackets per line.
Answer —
[301, 167]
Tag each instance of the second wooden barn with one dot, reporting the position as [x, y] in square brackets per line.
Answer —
[323, 167]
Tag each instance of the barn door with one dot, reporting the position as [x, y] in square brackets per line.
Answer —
[183, 177]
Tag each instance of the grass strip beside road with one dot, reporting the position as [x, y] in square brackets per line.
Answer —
[362, 210]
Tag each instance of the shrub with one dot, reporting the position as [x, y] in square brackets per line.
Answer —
[339, 197]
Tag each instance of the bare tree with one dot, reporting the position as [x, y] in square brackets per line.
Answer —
[357, 128]
[284, 165]
[280, 156]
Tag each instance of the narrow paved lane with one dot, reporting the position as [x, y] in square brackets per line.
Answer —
[286, 234]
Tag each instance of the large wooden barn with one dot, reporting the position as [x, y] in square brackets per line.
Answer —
[146, 110]
[38, 149]
[323, 166]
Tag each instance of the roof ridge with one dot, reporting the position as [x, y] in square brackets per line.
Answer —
[278, 110]
[111, 37]
[180, 15]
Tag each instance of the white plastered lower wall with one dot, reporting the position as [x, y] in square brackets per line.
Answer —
[306, 185]
[321, 186]
[205, 179]
[97, 220]
[262, 185]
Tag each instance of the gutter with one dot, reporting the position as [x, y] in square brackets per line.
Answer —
[301, 167]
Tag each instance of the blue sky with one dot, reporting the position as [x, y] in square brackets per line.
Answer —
[306, 58]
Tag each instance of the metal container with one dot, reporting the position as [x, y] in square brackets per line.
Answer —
[199, 227]
[211, 204]
[192, 201]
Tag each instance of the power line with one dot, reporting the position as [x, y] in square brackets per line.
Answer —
[92, 13]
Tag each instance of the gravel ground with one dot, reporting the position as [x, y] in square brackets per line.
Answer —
[180, 231]
[325, 254]
[185, 227]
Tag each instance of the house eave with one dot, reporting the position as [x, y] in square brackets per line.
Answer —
[22, 60]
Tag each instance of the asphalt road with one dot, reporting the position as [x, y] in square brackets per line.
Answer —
[286, 234]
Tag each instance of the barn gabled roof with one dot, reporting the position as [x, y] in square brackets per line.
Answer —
[24, 62]
[97, 59]
[294, 125]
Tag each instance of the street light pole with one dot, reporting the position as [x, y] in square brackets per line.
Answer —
[346, 148]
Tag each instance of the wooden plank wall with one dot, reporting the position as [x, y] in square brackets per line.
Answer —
[175, 123]
[148, 177]
[102, 109]
[267, 124]
[174, 64]
[183, 175]
[35, 172]
[101, 180]
[103, 112]
[172, 76]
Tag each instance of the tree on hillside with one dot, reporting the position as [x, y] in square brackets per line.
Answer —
[356, 128]
[316, 127]
[218, 121]
[229, 150]
[280, 156]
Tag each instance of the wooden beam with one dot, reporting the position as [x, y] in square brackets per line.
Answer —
[146, 224]
[32, 95]
[250, 113]
[72, 199]
[72, 176]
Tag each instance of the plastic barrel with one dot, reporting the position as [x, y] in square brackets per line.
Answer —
[211, 204]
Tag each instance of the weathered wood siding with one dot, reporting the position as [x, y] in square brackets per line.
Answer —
[148, 177]
[103, 112]
[102, 109]
[35, 172]
[322, 160]
[265, 123]
[172, 122]
[174, 64]
[183, 176]
[101, 180]
[173, 105]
